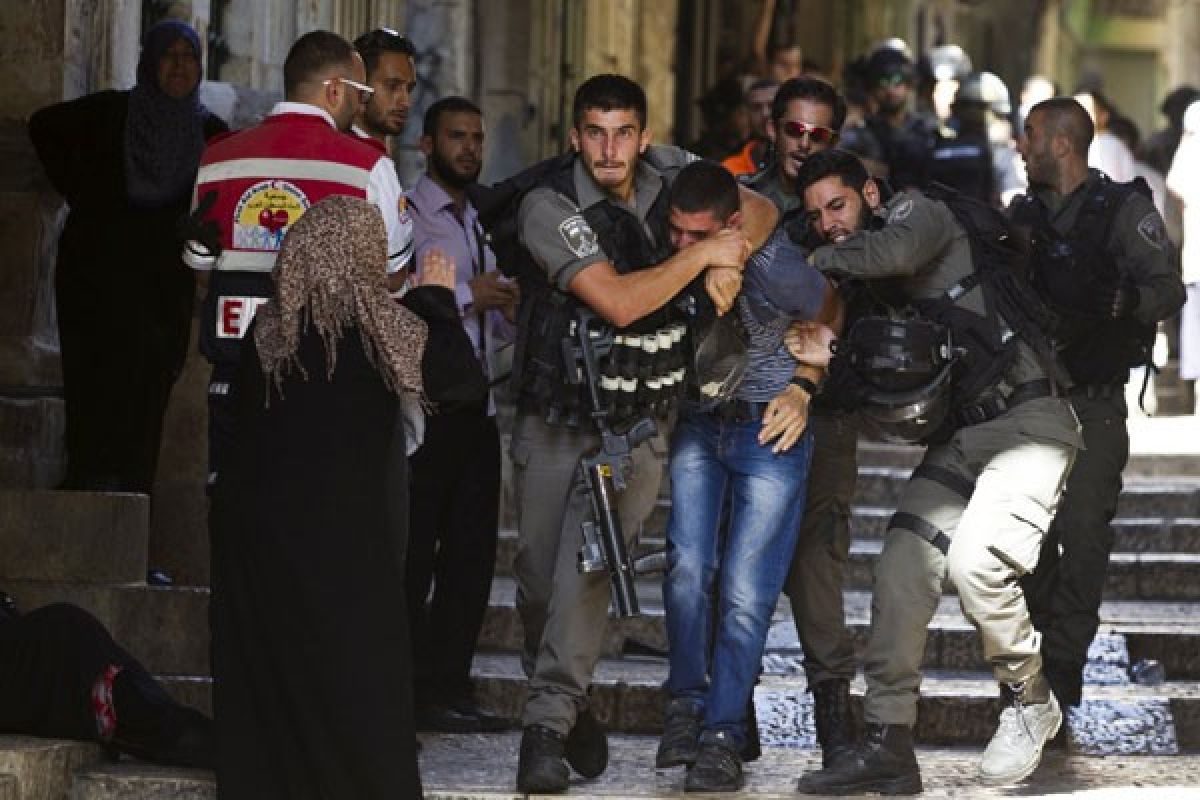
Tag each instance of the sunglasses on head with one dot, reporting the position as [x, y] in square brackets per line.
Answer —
[817, 134]
[364, 92]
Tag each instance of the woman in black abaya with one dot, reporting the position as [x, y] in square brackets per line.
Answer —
[311, 658]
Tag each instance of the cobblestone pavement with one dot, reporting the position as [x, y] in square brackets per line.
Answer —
[469, 767]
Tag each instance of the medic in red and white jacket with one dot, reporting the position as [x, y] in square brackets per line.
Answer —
[265, 178]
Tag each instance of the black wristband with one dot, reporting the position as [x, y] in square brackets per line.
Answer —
[805, 384]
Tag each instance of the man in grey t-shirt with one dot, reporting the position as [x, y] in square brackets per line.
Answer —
[753, 449]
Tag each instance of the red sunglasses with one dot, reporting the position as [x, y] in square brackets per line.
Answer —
[817, 134]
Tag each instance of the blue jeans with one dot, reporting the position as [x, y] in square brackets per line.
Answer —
[739, 575]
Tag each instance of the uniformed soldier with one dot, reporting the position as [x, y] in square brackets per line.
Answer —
[805, 117]
[252, 187]
[895, 135]
[596, 229]
[978, 505]
[1102, 260]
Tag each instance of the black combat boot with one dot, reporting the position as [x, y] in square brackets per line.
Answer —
[586, 747]
[540, 767]
[681, 734]
[834, 719]
[718, 766]
[884, 763]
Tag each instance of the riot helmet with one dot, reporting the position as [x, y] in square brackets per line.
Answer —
[985, 89]
[905, 366]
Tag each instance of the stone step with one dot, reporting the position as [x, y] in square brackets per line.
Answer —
[956, 707]
[1132, 534]
[134, 780]
[483, 767]
[1131, 576]
[1173, 456]
[1142, 496]
[165, 627]
[32, 768]
[1166, 632]
[86, 537]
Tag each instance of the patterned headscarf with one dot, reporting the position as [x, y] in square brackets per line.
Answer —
[331, 273]
[164, 136]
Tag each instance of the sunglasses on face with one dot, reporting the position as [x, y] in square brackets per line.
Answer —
[895, 79]
[364, 92]
[817, 134]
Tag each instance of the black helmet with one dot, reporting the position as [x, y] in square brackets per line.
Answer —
[912, 416]
[905, 366]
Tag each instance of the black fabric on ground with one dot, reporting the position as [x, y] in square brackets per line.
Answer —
[311, 656]
[49, 661]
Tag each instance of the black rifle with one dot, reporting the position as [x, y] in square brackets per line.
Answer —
[602, 473]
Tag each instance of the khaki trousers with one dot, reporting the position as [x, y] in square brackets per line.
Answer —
[815, 578]
[564, 613]
[991, 492]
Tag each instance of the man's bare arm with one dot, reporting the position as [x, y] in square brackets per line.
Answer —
[623, 299]
[759, 216]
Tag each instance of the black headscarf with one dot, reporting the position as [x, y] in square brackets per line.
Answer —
[164, 136]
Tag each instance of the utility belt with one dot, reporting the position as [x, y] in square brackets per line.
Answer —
[737, 410]
[1000, 400]
[641, 369]
[1098, 391]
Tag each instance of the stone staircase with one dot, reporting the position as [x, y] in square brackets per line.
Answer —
[90, 549]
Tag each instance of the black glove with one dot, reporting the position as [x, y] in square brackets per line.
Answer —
[1118, 302]
[196, 227]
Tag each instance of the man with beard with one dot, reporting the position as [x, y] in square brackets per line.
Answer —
[896, 136]
[391, 71]
[977, 508]
[1102, 261]
[456, 472]
[805, 117]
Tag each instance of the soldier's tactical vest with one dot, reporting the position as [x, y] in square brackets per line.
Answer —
[264, 179]
[963, 163]
[1068, 269]
[643, 374]
[906, 150]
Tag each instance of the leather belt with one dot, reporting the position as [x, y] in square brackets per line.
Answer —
[740, 410]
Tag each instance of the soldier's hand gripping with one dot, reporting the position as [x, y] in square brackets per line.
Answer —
[785, 419]
[726, 248]
[722, 285]
[810, 343]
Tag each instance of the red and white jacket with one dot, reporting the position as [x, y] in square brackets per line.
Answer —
[265, 178]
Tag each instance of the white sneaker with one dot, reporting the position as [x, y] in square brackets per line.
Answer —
[1016, 748]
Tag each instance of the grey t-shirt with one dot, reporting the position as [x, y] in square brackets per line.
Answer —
[779, 287]
[555, 231]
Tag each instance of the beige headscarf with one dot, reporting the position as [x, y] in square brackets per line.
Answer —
[331, 273]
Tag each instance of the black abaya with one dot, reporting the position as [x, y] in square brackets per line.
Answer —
[311, 655]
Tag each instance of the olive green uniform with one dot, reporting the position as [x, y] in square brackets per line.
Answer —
[1065, 591]
[978, 506]
[564, 613]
